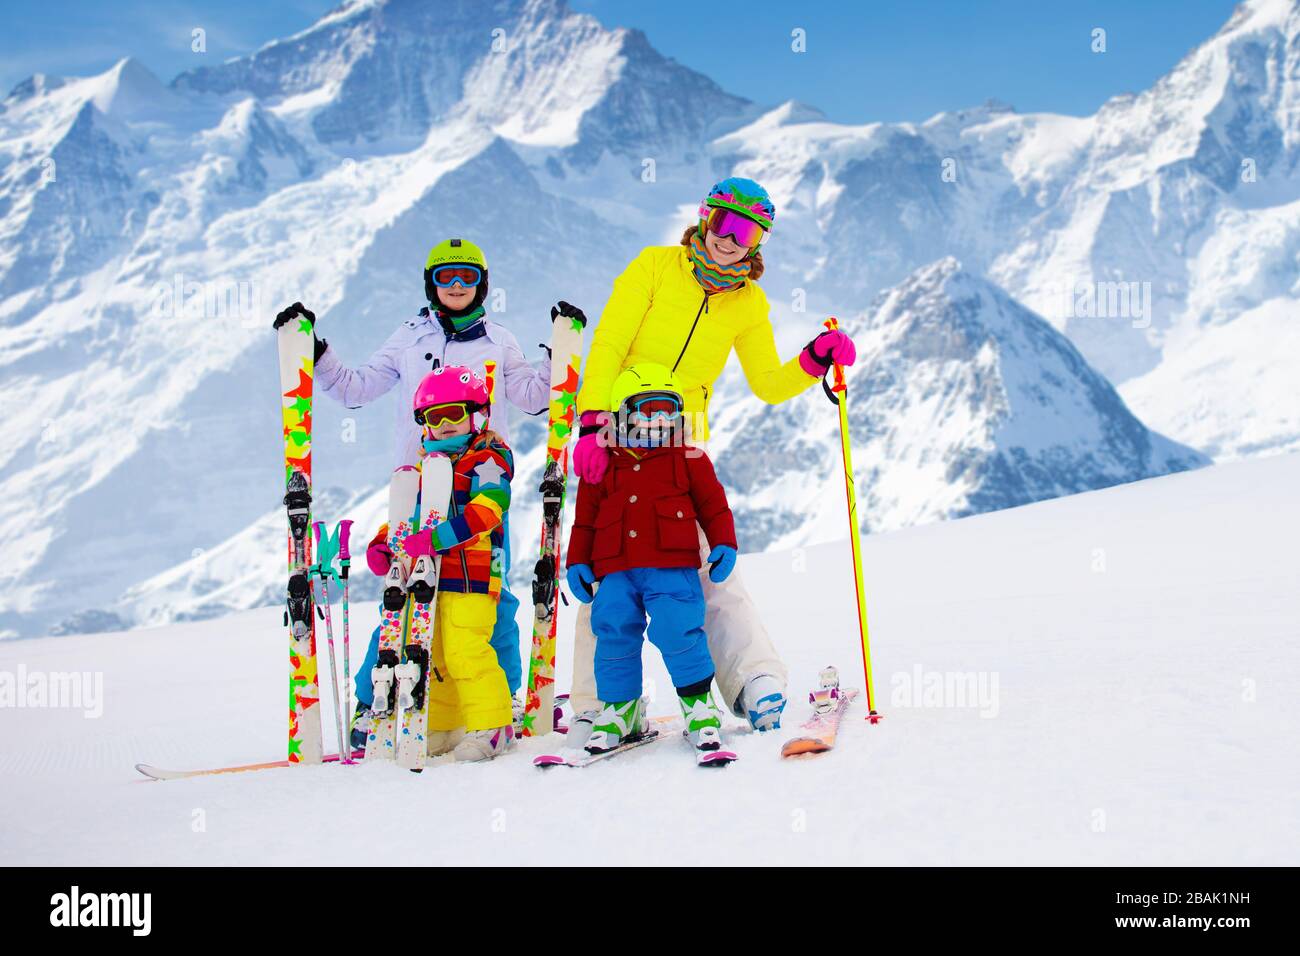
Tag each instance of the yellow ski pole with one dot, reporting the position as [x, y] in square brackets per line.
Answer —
[838, 393]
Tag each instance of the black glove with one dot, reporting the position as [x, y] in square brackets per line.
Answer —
[300, 311]
[295, 311]
[568, 311]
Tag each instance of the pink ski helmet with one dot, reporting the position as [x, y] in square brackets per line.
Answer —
[447, 384]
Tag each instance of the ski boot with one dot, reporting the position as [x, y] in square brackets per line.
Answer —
[560, 714]
[580, 728]
[360, 727]
[827, 694]
[484, 744]
[517, 716]
[762, 701]
[616, 723]
[703, 722]
[439, 742]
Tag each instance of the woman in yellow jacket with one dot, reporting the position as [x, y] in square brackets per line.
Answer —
[687, 307]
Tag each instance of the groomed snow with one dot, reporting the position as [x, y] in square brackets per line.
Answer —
[1141, 642]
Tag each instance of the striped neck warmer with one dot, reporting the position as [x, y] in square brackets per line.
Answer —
[711, 276]
[460, 322]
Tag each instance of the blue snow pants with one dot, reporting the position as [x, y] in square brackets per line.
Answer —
[674, 602]
[505, 639]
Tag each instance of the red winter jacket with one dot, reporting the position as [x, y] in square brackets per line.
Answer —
[642, 514]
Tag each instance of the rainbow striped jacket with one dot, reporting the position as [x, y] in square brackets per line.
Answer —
[471, 540]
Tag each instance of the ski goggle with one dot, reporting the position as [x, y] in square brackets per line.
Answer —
[654, 406]
[466, 276]
[745, 231]
[435, 415]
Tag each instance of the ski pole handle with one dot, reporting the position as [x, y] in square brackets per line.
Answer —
[345, 556]
[836, 368]
[835, 371]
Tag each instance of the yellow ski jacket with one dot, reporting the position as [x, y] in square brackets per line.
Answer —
[658, 313]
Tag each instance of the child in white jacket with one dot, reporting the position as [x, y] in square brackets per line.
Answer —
[452, 330]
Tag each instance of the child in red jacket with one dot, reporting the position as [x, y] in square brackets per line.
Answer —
[634, 531]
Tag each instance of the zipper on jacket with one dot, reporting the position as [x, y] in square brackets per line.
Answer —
[704, 307]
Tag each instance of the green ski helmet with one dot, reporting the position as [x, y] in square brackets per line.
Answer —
[455, 252]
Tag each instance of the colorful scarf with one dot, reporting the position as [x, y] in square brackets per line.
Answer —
[447, 446]
[460, 322]
[711, 276]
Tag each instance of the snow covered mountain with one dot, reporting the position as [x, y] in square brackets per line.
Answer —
[962, 401]
[148, 231]
[1168, 219]
[147, 234]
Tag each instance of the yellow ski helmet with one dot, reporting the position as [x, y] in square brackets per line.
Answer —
[459, 252]
[644, 377]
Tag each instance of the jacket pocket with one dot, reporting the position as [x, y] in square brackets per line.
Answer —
[606, 540]
[676, 520]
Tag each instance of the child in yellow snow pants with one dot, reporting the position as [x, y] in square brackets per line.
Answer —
[467, 687]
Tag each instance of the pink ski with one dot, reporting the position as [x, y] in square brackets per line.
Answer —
[157, 773]
[829, 703]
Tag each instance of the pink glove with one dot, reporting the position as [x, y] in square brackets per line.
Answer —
[419, 544]
[832, 347]
[590, 457]
[378, 557]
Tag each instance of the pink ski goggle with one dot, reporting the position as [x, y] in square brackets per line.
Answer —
[745, 231]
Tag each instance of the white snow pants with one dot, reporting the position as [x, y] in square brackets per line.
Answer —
[738, 642]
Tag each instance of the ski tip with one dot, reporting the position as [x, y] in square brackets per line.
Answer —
[802, 746]
[548, 760]
[716, 758]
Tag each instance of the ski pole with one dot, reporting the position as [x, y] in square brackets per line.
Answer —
[838, 394]
[326, 549]
[345, 561]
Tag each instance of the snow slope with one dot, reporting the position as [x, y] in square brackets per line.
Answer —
[1136, 645]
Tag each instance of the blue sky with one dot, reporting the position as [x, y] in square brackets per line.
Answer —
[862, 61]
